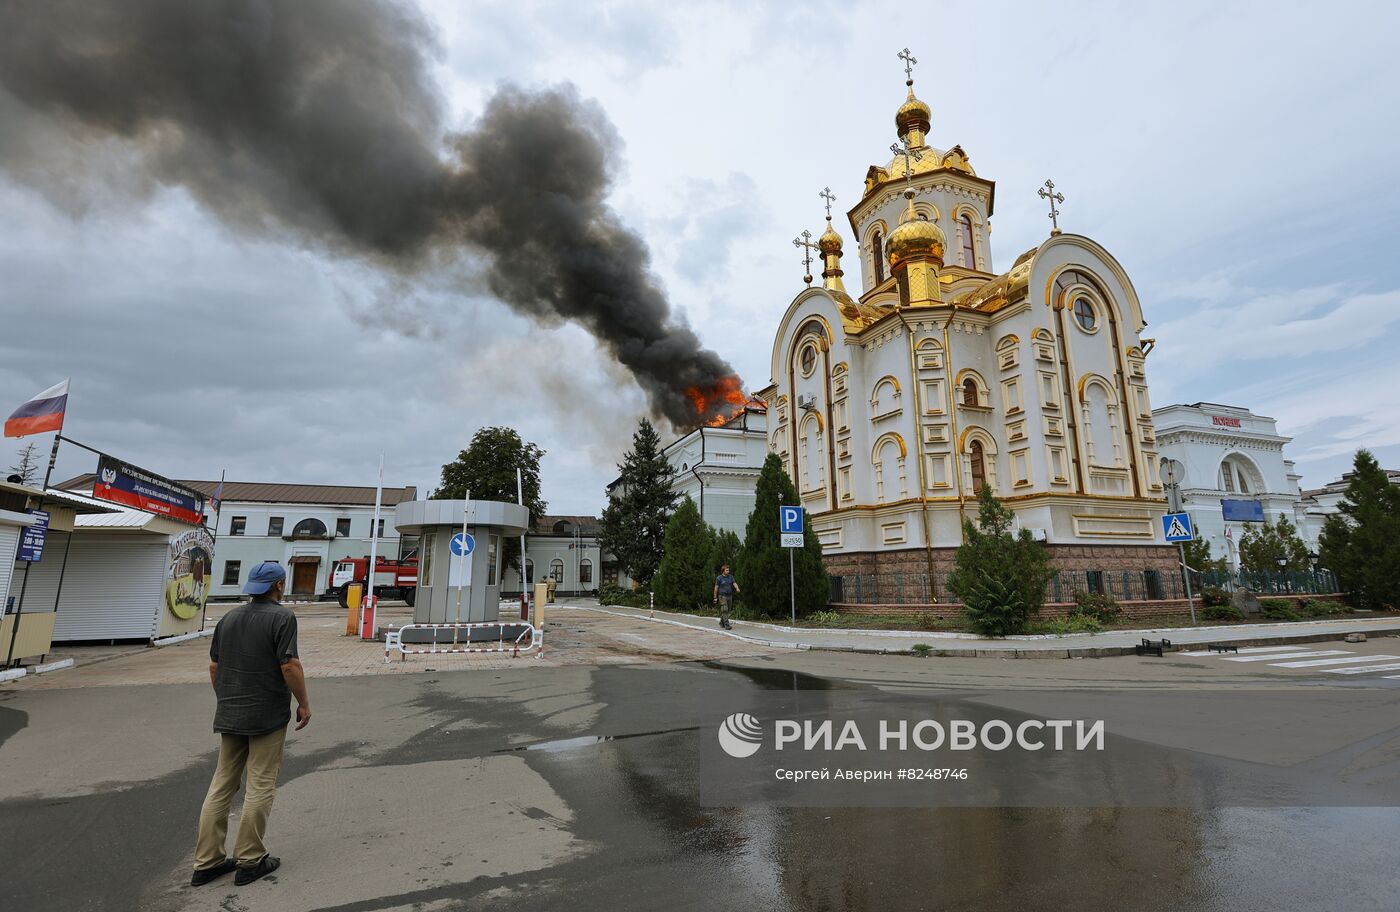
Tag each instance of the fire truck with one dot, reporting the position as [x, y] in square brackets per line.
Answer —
[392, 578]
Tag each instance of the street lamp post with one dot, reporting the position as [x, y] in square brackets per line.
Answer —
[1282, 571]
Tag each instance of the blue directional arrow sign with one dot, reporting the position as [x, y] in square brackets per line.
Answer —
[1176, 527]
[462, 544]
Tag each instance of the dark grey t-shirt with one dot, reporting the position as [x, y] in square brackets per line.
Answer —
[725, 583]
[250, 644]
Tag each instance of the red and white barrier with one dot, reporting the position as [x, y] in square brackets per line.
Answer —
[393, 639]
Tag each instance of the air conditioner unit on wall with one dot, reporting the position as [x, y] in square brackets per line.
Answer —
[806, 401]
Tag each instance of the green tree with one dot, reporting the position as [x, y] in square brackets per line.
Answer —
[762, 566]
[684, 579]
[1198, 557]
[726, 551]
[999, 576]
[486, 469]
[1361, 543]
[639, 506]
[1262, 547]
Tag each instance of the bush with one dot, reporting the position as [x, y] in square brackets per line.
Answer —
[1221, 613]
[1279, 610]
[928, 621]
[1214, 596]
[1075, 623]
[613, 594]
[1101, 608]
[1319, 608]
[825, 618]
[922, 650]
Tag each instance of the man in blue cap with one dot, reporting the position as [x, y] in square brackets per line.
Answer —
[255, 671]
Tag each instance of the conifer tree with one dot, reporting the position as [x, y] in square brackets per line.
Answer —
[634, 521]
[1262, 547]
[1000, 577]
[762, 566]
[726, 551]
[1361, 544]
[684, 579]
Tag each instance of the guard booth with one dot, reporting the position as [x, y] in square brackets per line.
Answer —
[459, 574]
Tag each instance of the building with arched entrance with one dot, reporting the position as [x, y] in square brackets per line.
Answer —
[1228, 453]
[892, 407]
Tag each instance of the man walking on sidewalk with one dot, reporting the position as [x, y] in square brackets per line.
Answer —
[255, 671]
[725, 587]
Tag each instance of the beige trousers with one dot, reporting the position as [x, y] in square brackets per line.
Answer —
[261, 757]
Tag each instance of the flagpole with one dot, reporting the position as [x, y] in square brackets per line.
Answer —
[218, 509]
[366, 602]
[24, 583]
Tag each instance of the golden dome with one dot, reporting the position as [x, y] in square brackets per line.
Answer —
[913, 115]
[915, 236]
[830, 242]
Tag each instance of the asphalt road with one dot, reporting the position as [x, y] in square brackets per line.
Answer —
[575, 788]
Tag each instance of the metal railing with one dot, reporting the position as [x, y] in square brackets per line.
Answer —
[1141, 585]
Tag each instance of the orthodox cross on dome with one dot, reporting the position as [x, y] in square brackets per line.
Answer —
[911, 155]
[830, 198]
[909, 61]
[804, 240]
[1048, 192]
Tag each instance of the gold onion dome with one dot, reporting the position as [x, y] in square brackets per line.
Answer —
[915, 236]
[830, 242]
[913, 116]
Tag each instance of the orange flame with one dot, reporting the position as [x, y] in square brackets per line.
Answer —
[719, 403]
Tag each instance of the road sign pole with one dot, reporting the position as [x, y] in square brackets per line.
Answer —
[792, 588]
[1186, 575]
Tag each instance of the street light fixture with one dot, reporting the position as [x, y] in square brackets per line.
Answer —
[1282, 565]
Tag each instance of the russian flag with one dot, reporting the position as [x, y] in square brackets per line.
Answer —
[41, 414]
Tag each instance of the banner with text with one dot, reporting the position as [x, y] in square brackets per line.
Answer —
[125, 484]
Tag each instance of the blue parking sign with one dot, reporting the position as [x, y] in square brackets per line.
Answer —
[790, 520]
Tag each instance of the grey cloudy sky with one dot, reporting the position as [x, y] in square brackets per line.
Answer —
[1238, 161]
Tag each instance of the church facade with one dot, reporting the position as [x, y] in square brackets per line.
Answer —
[893, 408]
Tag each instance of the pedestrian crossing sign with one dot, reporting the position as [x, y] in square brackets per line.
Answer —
[1176, 527]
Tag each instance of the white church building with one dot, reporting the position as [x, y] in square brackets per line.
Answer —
[892, 406]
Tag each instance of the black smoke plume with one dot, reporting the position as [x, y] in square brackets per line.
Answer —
[319, 118]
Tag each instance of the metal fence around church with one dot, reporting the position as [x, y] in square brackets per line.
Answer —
[1123, 585]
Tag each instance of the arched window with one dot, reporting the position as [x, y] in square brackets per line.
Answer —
[891, 476]
[969, 248]
[969, 392]
[529, 570]
[877, 250]
[309, 528]
[585, 572]
[979, 465]
[556, 570]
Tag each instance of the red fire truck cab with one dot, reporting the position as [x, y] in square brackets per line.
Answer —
[392, 578]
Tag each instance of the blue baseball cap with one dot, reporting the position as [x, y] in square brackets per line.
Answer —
[263, 577]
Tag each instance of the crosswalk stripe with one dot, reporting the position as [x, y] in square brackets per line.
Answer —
[1245, 650]
[1394, 666]
[1294, 655]
[1312, 663]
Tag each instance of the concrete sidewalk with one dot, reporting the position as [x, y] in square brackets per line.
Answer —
[1037, 646]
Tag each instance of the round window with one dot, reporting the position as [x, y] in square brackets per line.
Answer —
[809, 360]
[1084, 315]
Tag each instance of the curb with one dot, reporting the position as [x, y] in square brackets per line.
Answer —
[1038, 647]
[52, 666]
[12, 674]
[184, 637]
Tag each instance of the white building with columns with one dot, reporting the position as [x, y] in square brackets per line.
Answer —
[893, 406]
[717, 467]
[1228, 453]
